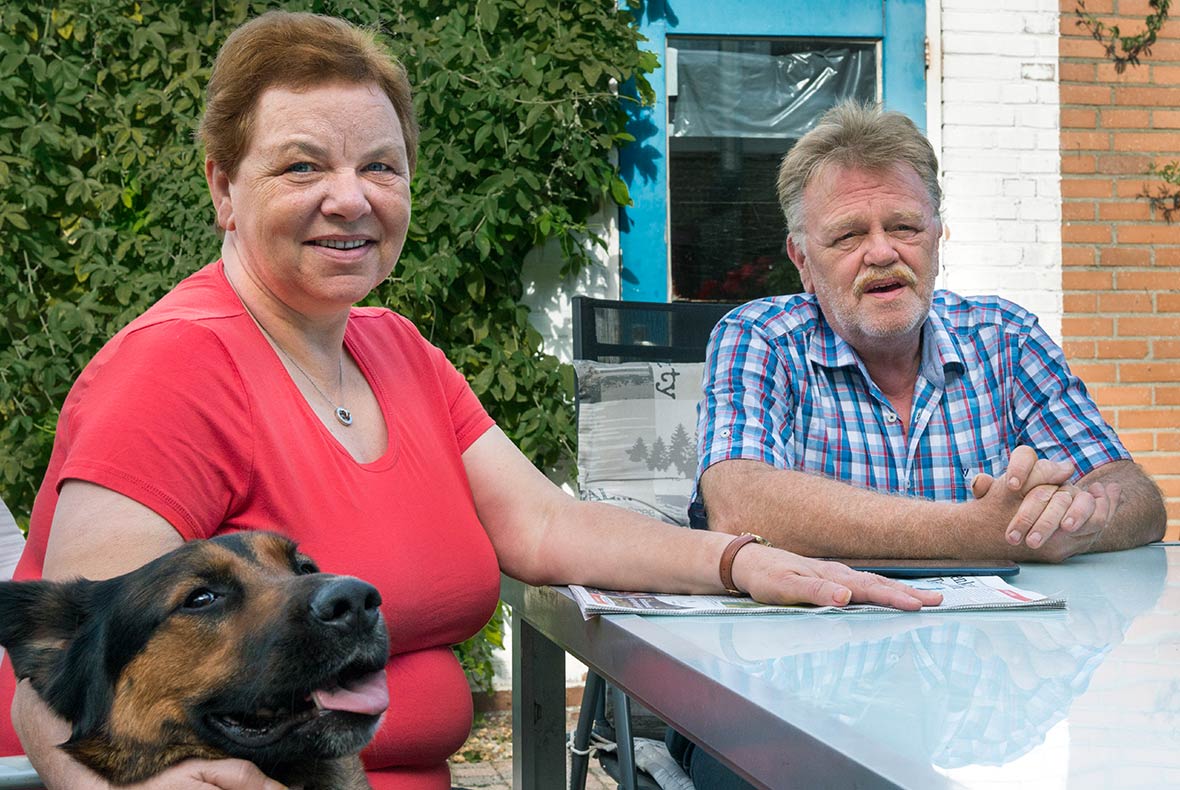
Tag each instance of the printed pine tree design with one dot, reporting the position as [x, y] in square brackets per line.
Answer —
[638, 451]
[659, 457]
[680, 453]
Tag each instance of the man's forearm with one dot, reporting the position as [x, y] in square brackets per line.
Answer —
[820, 517]
[1140, 516]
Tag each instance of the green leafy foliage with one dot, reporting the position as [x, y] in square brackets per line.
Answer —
[1164, 197]
[1124, 50]
[103, 204]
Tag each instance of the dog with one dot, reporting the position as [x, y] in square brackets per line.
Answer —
[236, 646]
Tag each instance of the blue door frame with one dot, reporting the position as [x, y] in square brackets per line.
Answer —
[899, 24]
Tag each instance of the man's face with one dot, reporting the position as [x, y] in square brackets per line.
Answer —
[869, 252]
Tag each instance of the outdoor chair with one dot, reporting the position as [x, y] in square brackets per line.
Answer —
[15, 771]
[638, 367]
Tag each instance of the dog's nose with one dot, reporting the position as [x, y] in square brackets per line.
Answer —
[346, 604]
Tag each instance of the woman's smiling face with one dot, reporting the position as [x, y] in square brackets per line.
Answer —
[320, 205]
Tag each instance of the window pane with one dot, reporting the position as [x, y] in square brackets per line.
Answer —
[736, 105]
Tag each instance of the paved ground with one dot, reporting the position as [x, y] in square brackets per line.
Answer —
[485, 761]
[497, 775]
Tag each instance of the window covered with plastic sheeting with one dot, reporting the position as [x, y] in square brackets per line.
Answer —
[735, 107]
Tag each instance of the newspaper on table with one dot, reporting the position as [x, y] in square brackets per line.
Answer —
[959, 594]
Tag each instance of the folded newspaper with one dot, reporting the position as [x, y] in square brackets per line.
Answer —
[959, 594]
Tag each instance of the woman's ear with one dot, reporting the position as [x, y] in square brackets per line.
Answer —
[219, 190]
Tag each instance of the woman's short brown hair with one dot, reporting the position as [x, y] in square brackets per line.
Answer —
[296, 51]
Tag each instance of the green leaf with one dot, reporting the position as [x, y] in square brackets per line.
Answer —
[619, 192]
[481, 137]
[488, 14]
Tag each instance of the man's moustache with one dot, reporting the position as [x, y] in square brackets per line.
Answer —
[899, 275]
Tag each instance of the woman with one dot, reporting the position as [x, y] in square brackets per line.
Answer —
[254, 396]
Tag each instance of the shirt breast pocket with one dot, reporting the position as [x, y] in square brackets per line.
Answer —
[977, 465]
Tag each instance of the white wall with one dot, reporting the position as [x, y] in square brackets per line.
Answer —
[1001, 161]
[548, 295]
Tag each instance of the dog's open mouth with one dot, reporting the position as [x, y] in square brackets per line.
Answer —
[363, 695]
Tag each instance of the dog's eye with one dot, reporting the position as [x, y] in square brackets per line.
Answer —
[199, 599]
[305, 567]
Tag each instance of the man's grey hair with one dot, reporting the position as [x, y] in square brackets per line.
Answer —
[853, 134]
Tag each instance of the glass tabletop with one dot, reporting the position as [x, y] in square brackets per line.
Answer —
[1087, 697]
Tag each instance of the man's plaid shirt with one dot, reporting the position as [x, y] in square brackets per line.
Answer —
[781, 387]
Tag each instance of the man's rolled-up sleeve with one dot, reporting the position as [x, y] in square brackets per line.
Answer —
[747, 408]
[1053, 410]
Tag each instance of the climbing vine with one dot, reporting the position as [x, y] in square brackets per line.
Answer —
[1165, 197]
[1124, 50]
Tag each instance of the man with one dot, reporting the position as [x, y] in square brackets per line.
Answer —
[874, 416]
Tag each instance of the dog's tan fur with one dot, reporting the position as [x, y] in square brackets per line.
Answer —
[175, 667]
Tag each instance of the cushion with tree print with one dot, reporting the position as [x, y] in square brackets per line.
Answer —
[637, 435]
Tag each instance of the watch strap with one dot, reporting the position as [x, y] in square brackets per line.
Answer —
[727, 557]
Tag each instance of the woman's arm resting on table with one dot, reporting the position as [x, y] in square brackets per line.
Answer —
[544, 536]
[98, 534]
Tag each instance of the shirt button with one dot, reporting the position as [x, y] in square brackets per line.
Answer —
[890, 417]
[725, 433]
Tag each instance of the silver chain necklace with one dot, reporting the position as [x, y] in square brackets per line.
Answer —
[343, 414]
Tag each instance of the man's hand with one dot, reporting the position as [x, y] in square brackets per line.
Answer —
[1054, 518]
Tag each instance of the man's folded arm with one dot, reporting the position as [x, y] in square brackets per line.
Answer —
[820, 517]
[1139, 516]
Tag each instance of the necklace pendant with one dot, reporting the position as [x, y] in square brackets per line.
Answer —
[344, 416]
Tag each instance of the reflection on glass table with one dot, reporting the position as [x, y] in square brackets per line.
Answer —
[968, 691]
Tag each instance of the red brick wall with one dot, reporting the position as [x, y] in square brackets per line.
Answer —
[1121, 263]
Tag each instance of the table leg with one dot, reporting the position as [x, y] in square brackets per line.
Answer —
[538, 709]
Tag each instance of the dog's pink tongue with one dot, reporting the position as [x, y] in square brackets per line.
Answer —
[369, 694]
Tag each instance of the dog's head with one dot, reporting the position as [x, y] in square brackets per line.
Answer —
[236, 646]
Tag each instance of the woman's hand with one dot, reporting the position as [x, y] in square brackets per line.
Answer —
[775, 576]
[211, 775]
[37, 725]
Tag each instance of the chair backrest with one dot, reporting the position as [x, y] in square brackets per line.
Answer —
[639, 367]
[12, 543]
[15, 771]
[606, 330]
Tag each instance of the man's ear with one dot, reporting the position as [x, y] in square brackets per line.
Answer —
[218, 181]
[797, 252]
[48, 630]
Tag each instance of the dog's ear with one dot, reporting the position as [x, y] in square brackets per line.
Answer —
[53, 640]
[38, 620]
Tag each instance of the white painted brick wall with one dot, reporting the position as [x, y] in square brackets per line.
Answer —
[1000, 154]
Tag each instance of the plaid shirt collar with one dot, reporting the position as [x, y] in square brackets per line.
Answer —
[940, 350]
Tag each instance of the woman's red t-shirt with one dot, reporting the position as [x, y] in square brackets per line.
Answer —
[189, 411]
